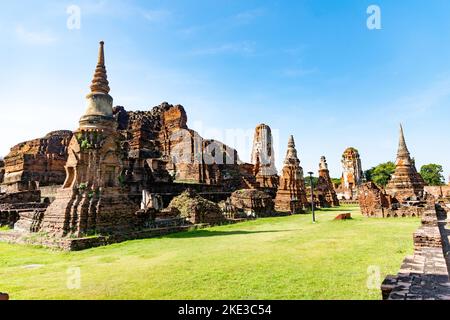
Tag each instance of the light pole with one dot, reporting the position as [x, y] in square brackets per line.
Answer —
[312, 196]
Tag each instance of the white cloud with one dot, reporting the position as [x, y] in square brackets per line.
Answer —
[233, 21]
[122, 9]
[247, 17]
[156, 15]
[425, 100]
[34, 37]
[228, 48]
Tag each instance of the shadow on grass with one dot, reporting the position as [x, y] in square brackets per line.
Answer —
[339, 209]
[209, 233]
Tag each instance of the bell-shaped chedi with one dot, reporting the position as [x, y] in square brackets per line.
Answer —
[326, 194]
[99, 113]
[291, 195]
[406, 182]
[263, 157]
[352, 175]
[93, 198]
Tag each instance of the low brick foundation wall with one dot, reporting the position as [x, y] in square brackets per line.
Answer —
[425, 275]
[72, 244]
[21, 197]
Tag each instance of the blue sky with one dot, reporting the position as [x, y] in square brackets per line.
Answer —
[308, 68]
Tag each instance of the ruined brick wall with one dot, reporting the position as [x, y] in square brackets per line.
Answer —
[49, 191]
[21, 197]
[263, 157]
[373, 201]
[13, 204]
[352, 175]
[253, 201]
[38, 162]
[162, 134]
[438, 191]
[148, 133]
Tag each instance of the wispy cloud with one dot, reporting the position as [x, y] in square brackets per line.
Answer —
[232, 21]
[246, 17]
[245, 48]
[97, 7]
[296, 51]
[124, 10]
[188, 31]
[34, 37]
[157, 15]
[298, 72]
[425, 100]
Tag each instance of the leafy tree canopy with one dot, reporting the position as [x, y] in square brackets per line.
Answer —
[381, 174]
[336, 181]
[433, 174]
[308, 181]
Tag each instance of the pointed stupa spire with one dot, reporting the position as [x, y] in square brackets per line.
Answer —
[99, 112]
[100, 82]
[402, 148]
[291, 154]
[291, 142]
[323, 163]
[405, 181]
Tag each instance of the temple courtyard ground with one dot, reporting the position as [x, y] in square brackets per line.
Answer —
[273, 258]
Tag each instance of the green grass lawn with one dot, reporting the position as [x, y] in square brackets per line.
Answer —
[274, 258]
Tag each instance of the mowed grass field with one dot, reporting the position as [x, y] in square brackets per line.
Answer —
[273, 258]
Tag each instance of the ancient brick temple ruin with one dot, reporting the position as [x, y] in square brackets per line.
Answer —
[403, 196]
[291, 195]
[122, 174]
[406, 182]
[263, 158]
[92, 198]
[326, 194]
[352, 175]
[37, 163]
[162, 150]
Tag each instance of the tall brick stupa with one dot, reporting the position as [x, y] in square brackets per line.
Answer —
[93, 199]
[406, 182]
[291, 195]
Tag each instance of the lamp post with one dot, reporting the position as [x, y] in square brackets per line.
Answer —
[312, 196]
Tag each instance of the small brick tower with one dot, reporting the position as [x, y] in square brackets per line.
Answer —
[325, 189]
[291, 195]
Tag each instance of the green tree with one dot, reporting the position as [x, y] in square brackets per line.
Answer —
[433, 174]
[381, 174]
[308, 181]
[336, 181]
